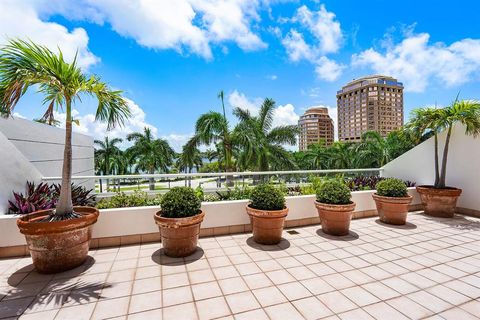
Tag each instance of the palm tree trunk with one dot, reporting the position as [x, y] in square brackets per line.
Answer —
[437, 171]
[152, 181]
[441, 183]
[190, 178]
[64, 205]
[228, 166]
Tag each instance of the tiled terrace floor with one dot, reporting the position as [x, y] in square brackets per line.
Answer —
[429, 268]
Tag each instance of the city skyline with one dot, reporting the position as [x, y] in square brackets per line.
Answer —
[171, 61]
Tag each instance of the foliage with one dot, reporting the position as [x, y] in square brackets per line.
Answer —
[312, 187]
[433, 120]
[209, 167]
[36, 198]
[392, 187]
[262, 144]
[266, 197]
[333, 192]
[124, 200]
[180, 202]
[43, 197]
[199, 192]
[81, 196]
[24, 64]
[235, 193]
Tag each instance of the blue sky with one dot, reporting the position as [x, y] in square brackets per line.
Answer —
[171, 58]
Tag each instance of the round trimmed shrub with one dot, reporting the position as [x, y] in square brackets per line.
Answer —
[180, 202]
[267, 197]
[392, 187]
[333, 192]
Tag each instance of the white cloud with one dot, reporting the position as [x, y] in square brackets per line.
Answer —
[182, 25]
[327, 69]
[272, 77]
[177, 140]
[98, 130]
[324, 26]
[297, 48]
[240, 100]
[417, 62]
[21, 19]
[326, 31]
[285, 115]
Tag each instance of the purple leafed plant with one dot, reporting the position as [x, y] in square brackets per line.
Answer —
[44, 197]
[36, 198]
[368, 182]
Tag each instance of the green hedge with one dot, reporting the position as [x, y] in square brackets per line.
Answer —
[333, 192]
[180, 202]
[392, 187]
[267, 197]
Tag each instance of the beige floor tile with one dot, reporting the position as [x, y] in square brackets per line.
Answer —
[241, 302]
[381, 311]
[457, 313]
[155, 314]
[248, 268]
[175, 280]
[177, 295]
[336, 302]
[317, 286]
[111, 308]
[200, 276]
[338, 281]
[355, 314]
[380, 290]
[280, 276]
[269, 296]
[294, 291]
[258, 314]
[181, 311]
[259, 280]
[448, 294]
[232, 285]
[359, 296]
[409, 308]
[147, 285]
[429, 301]
[80, 312]
[145, 301]
[212, 308]
[206, 290]
[311, 308]
[225, 272]
[283, 311]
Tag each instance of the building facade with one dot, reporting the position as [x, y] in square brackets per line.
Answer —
[315, 125]
[373, 103]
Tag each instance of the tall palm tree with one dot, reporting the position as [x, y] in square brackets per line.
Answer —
[262, 144]
[107, 150]
[24, 64]
[213, 127]
[342, 155]
[150, 154]
[373, 150]
[317, 156]
[190, 158]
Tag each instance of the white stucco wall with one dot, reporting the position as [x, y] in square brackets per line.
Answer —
[31, 150]
[463, 166]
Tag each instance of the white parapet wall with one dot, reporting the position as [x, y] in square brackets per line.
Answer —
[139, 220]
[32, 150]
[463, 166]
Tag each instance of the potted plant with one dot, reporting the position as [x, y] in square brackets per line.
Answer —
[440, 200]
[267, 213]
[392, 201]
[335, 207]
[179, 221]
[57, 238]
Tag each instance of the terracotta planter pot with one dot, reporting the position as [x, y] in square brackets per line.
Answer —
[58, 246]
[439, 202]
[267, 225]
[335, 218]
[392, 210]
[179, 235]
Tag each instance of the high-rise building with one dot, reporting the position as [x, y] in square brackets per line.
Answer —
[373, 103]
[315, 125]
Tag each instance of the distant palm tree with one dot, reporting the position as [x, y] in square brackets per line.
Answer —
[342, 155]
[150, 154]
[213, 127]
[263, 145]
[317, 156]
[107, 151]
[24, 64]
[190, 158]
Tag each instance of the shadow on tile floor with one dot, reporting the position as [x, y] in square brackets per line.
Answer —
[351, 236]
[406, 226]
[282, 245]
[160, 258]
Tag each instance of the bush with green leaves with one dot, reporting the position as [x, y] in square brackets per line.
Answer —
[392, 187]
[267, 197]
[124, 200]
[180, 202]
[333, 192]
